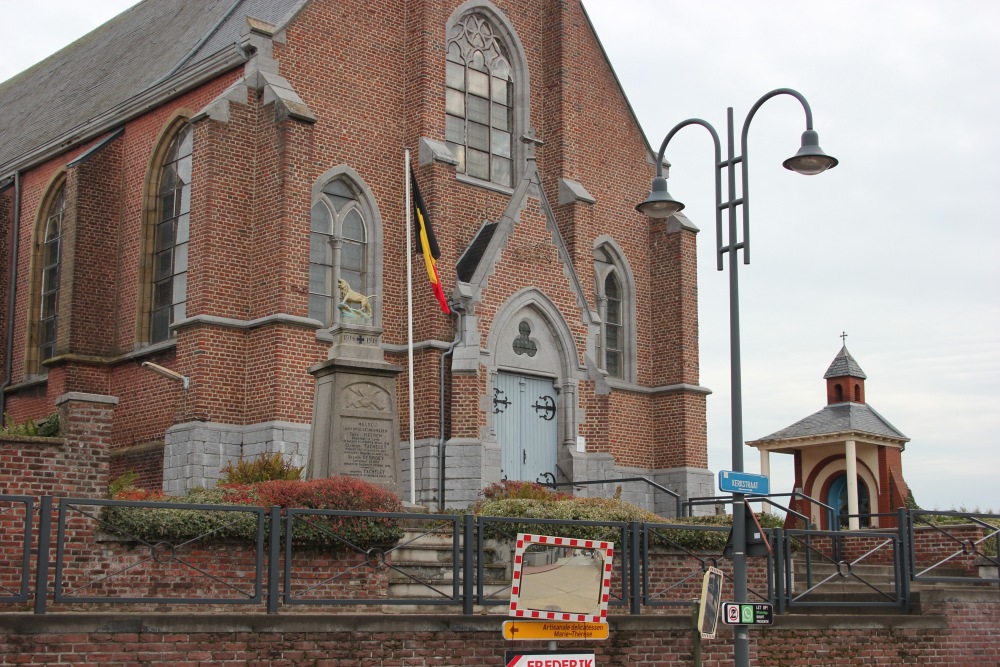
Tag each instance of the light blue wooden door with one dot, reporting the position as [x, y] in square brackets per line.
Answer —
[524, 410]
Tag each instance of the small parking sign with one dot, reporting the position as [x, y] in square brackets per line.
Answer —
[733, 614]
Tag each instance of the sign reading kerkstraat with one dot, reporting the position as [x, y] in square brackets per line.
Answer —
[550, 659]
[744, 482]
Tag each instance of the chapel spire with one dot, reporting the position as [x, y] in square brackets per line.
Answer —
[845, 381]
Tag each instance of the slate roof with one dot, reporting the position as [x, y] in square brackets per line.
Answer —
[844, 365]
[118, 61]
[839, 418]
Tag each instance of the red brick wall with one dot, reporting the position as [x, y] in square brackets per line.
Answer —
[961, 633]
[251, 196]
[76, 465]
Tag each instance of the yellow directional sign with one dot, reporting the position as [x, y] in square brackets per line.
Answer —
[554, 630]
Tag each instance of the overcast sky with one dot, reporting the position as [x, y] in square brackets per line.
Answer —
[897, 246]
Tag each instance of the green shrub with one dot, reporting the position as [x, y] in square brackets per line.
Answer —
[122, 482]
[510, 489]
[48, 427]
[264, 468]
[327, 533]
[174, 525]
[606, 510]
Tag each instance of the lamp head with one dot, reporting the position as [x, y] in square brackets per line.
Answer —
[810, 160]
[659, 203]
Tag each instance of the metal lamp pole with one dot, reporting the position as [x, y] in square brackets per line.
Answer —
[809, 160]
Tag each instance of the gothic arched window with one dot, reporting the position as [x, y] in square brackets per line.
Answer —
[479, 101]
[615, 301]
[341, 248]
[613, 336]
[169, 216]
[48, 259]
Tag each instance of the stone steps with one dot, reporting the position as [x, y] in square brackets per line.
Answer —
[422, 567]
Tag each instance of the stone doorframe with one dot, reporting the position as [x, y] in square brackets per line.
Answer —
[530, 336]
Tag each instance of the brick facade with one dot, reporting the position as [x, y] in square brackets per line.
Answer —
[265, 133]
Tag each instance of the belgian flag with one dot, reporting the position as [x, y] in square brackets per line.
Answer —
[426, 243]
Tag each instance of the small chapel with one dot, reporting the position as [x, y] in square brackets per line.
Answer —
[847, 455]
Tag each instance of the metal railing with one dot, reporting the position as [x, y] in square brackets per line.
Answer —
[548, 479]
[966, 539]
[78, 552]
[16, 521]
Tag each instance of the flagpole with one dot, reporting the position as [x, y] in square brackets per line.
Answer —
[409, 325]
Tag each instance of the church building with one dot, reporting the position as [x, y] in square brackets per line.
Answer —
[203, 224]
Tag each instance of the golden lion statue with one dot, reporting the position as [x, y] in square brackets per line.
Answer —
[349, 296]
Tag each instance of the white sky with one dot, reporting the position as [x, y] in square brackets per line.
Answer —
[896, 246]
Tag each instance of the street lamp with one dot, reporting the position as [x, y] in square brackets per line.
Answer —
[809, 160]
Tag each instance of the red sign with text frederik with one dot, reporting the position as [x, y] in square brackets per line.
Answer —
[550, 659]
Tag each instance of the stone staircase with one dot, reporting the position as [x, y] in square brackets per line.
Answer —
[422, 569]
[823, 581]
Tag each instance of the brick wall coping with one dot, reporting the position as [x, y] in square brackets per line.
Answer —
[79, 622]
[87, 398]
[9, 439]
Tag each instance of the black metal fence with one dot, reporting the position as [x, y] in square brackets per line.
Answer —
[72, 553]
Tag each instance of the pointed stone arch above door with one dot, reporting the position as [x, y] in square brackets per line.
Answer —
[531, 339]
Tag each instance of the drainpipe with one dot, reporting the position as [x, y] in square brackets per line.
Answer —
[441, 439]
[15, 242]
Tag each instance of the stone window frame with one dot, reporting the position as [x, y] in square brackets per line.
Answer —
[151, 220]
[55, 194]
[512, 48]
[365, 203]
[610, 260]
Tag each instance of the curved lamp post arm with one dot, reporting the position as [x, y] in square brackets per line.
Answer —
[659, 203]
[810, 159]
[677, 128]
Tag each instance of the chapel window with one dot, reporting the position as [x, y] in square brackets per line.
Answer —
[479, 101]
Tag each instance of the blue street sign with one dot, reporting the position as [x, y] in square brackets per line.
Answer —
[743, 482]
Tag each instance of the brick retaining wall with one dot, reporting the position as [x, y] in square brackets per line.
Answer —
[957, 628]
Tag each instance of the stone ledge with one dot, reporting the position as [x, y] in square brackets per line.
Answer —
[62, 623]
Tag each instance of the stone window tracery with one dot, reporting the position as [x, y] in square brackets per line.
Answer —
[479, 104]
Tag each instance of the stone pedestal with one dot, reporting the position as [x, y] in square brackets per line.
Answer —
[355, 427]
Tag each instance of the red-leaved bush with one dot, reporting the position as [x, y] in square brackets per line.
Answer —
[335, 493]
[324, 532]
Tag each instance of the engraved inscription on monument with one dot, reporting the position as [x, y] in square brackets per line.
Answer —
[368, 449]
[355, 426]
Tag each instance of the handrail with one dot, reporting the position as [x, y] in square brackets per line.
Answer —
[551, 481]
[690, 503]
